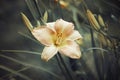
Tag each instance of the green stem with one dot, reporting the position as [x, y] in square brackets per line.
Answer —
[96, 56]
[65, 67]
[61, 67]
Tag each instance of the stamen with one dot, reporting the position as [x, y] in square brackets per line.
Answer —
[59, 39]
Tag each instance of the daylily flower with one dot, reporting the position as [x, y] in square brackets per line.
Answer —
[58, 36]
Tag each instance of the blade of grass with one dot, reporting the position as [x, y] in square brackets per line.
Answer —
[97, 48]
[30, 65]
[21, 51]
[14, 72]
[32, 9]
[25, 68]
[27, 36]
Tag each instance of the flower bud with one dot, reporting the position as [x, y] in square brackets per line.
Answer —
[101, 22]
[27, 22]
[92, 20]
[102, 39]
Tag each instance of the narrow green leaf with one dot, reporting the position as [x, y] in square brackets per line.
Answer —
[31, 65]
[14, 72]
[27, 36]
[21, 51]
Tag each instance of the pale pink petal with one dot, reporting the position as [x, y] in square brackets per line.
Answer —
[49, 52]
[75, 35]
[51, 26]
[44, 35]
[71, 50]
[63, 26]
[68, 30]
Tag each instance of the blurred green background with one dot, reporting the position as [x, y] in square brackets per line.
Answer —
[26, 66]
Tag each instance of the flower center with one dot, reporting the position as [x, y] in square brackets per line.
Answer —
[59, 39]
